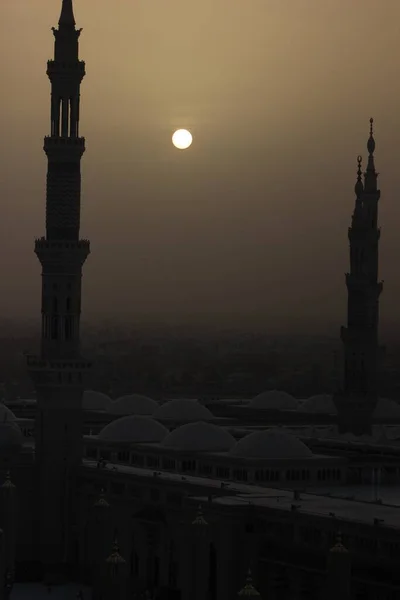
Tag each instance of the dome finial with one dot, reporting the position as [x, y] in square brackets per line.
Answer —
[359, 187]
[67, 14]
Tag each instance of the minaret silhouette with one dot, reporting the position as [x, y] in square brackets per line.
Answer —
[357, 401]
[58, 373]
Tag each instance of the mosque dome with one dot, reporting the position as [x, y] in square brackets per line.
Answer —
[199, 437]
[11, 438]
[134, 429]
[320, 403]
[133, 404]
[95, 401]
[387, 409]
[271, 444]
[274, 399]
[6, 414]
[183, 410]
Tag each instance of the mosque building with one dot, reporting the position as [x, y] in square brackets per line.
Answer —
[182, 499]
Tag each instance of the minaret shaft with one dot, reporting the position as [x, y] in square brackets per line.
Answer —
[58, 373]
[358, 399]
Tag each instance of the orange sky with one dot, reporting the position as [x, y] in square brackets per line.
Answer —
[251, 222]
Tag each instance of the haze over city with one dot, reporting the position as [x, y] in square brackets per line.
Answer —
[249, 225]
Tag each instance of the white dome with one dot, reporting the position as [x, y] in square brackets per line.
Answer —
[386, 409]
[135, 429]
[320, 403]
[6, 414]
[199, 437]
[133, 404]
[274, 399]
[95, 401]
[271, 444]
[183, 410]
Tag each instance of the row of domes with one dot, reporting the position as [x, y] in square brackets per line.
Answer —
[136, 404]
[205, 437]
[191, 410]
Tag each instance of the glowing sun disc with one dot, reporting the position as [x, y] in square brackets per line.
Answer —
[182, 139]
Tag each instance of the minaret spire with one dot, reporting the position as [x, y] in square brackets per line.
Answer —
[67, 14]
[357, 401]
[371, 176]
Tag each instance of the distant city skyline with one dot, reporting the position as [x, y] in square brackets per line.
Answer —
[249, 226]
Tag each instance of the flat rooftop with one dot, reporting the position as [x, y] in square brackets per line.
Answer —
[315, 503]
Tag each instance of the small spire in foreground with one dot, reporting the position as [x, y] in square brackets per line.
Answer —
[8, 483]
[67, 14]
[199, 520]
[249, 589]
[338, 547]
[102, 502]
[115, 558]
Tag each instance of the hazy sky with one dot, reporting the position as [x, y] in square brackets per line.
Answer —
[251, 222]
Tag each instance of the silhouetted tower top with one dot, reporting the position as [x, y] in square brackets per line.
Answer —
[67, 18]
[66, 36]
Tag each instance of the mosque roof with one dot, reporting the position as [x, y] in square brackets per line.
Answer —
[271, 444]
[183, 410]
[199, 437]
[6, 414]
[245, 494]
[96, 401]
[320, 403]
[386, 409]
[133, 404]
[274, 399]
[134, 429]
[323, 403]
[11, 438]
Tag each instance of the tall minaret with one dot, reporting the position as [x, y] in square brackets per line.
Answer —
[58, 373]
[357, 400]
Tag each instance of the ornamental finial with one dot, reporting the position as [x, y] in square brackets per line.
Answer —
[371, 141]
[359, 187]
[67, 14]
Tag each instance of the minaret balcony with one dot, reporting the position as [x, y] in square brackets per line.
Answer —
[65, 373]
[56, 141]
[62, 364]
[69, 254]
[64, 149]
[66, 70]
